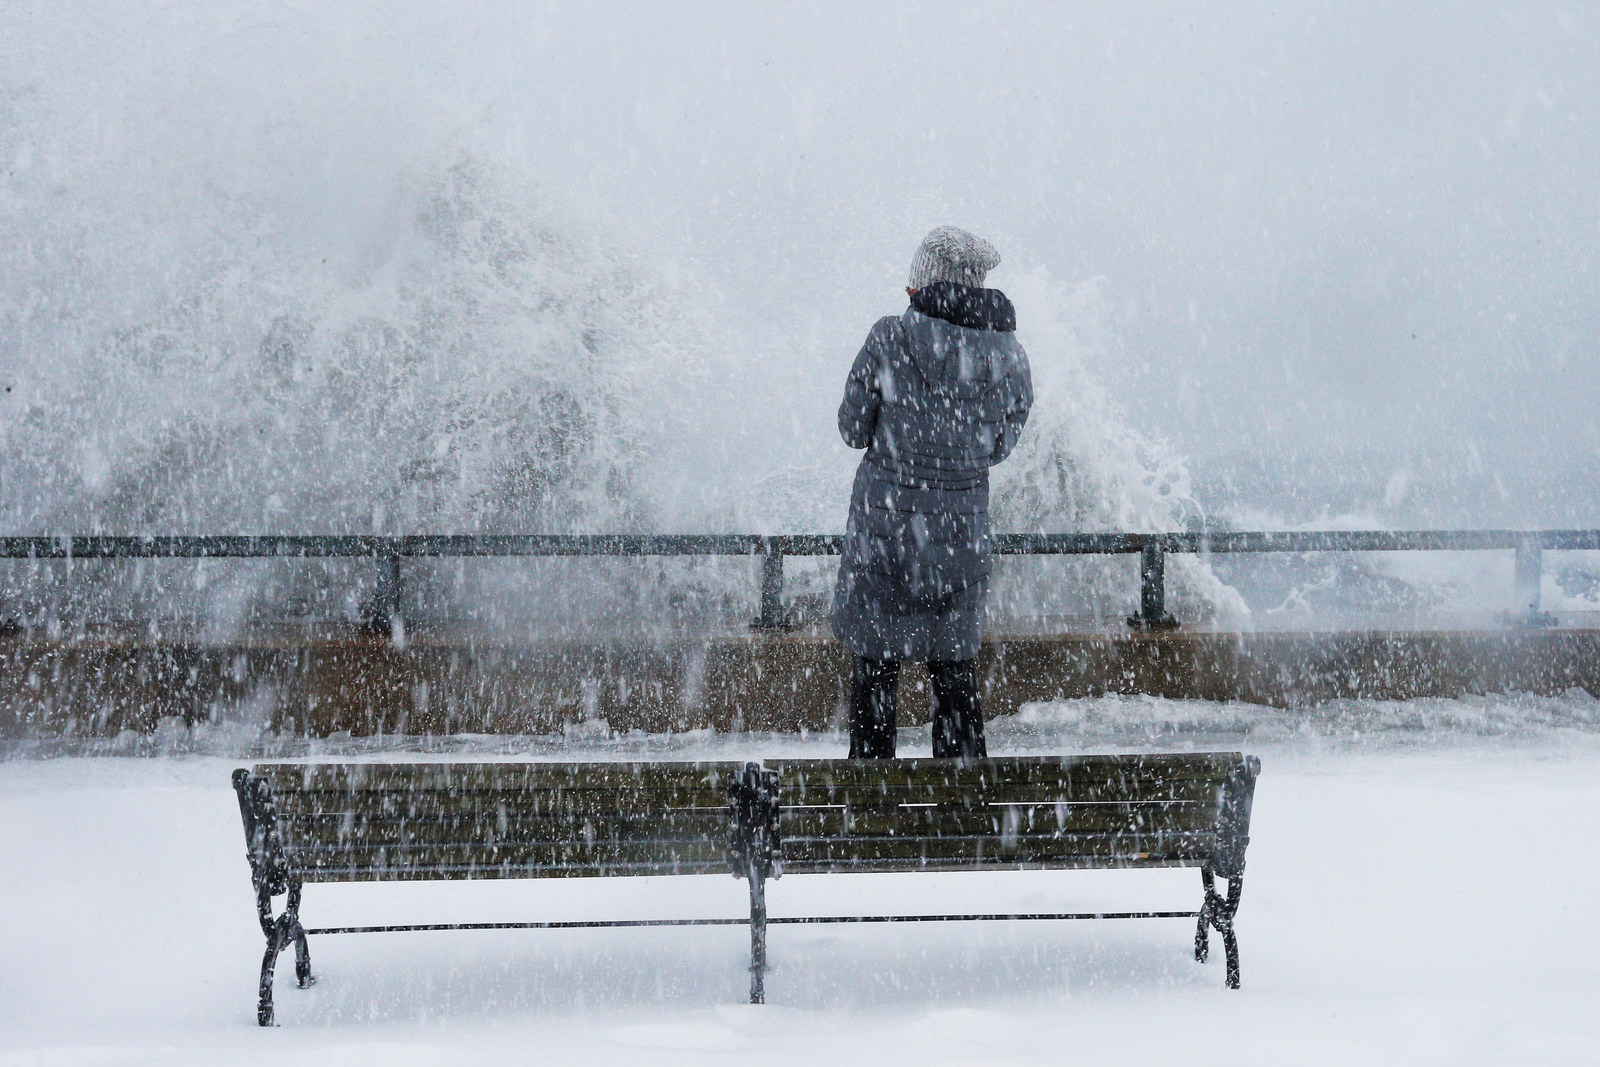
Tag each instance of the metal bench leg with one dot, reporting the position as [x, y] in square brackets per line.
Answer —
[281, 931]
[1218, 912]
[264, 1015]
[302, 958]
[758, 938]
[753, 805]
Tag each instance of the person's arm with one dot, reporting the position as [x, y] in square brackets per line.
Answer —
[858, 411]
[1016, 416]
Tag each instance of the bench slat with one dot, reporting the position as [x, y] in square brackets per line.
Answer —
[1001, 792]
[640, 856]
[830, 822]
[476, 872]
[532, 800]
[362, 829]
[1213, 766]
[486, 805]
[847, 865]
[708, 778]
[1087, 843]
[976, 850]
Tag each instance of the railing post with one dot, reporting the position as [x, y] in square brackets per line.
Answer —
[771, 616]
[1152, 589]
[1529, 577]
[386, 617]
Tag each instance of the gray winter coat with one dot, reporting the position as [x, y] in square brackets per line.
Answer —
[936, 397]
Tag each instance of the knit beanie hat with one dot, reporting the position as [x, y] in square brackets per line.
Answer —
[949, 254]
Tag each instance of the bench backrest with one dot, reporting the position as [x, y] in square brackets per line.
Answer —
[389, 821]
[1016, 812]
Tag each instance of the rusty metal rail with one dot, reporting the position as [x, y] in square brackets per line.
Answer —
[1152, 548]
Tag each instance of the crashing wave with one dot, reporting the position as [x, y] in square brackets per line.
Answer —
[1081, 466]
[490, 365]
[489, 370]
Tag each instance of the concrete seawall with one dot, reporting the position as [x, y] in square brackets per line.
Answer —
[320, 681]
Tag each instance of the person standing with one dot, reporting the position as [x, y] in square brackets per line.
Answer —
[936, 396]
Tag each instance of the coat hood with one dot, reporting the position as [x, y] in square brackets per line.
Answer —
[966, 305]
[961, 338]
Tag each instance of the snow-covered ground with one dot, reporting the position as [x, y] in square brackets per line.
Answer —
[1421, 894]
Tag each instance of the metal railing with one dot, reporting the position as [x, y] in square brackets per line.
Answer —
[1152, 548]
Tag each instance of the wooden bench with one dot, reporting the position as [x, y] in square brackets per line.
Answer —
[1027, 813]
[382, 821]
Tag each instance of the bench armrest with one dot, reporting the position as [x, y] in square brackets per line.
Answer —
[263, 848]
[1233, 824]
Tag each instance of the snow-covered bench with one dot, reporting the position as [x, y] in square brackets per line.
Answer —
[385, 821]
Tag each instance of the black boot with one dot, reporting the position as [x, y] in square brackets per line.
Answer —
[957, 718]
[872, 708]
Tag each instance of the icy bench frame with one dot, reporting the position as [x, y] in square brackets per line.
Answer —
[386, 822]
